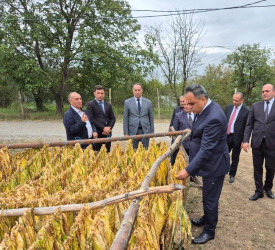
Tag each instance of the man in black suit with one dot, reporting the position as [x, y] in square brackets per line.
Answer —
[209, 156]
[76, 121]
[101, 113]
[176, 110]
[261, 123]
[236, 115]
[184, 120]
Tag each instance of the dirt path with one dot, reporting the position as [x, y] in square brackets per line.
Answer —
[243, 224]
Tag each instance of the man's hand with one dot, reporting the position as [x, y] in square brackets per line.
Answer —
[84, 118]
[106, 130]
[182, 175]
[95, 135]
[245, 146]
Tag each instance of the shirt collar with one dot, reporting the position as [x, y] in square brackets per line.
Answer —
[77, 110]
[207, 104]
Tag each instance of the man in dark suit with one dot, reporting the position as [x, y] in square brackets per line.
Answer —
[261, 123]
[176, 110]
[76, 121]
[209, 156]
[138, 116]
[184, 120]
[236, 115]
[101, 113]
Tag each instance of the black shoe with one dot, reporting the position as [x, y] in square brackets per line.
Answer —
[269, 194]
[231, 179]
[203, 238]
[200, 222]
[256, 196]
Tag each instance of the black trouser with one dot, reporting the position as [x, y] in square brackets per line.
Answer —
[97, 146]
[259, 155]
[211, 191]
[236, 150]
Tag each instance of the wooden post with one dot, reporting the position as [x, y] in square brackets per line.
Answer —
[110, 95]
[93, 205]
[87, 141]
[158, 104]
[21, 104]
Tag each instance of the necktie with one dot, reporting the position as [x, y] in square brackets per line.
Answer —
[231, 120]
[190, 120]
[139, 107]
[102, 106]
[266, 111]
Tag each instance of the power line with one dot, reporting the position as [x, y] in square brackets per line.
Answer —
[170, 13]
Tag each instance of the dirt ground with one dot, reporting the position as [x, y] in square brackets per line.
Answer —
[243, 224]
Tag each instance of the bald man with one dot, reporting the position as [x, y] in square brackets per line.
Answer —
[76, 122]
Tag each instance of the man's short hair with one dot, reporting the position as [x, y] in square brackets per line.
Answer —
[197, 90]
[137, 84]
[98, 87]
[70, 95]
[240, 94]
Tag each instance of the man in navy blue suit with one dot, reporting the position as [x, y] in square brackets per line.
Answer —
[209, 156]
[76, 122]
[178, 109]
[184, 120]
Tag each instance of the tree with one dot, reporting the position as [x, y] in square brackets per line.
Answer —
[217, 82]
[69, 39]
[177, 50]
[251, 67]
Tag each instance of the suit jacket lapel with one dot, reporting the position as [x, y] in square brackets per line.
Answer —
[135, 105]
[272, 111]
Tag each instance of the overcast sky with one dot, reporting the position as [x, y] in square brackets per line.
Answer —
[227, 28]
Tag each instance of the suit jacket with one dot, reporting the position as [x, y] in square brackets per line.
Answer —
[132, 117]
[239, 124]
[176, 110]
[98, 117]
[180, 123]
[208, 151]
[261, 129]
[75, 128]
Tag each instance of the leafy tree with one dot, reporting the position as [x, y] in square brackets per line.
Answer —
[251, 67]
[70, 41]
[217, 82]
[177, 50]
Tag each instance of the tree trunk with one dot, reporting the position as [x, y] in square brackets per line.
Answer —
[38, 98]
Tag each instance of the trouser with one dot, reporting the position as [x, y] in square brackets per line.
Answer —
[97, 146]
[259, 155]
[144, 141]
[211, 191]
[236, 150]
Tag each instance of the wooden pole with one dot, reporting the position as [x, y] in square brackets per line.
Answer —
[158, 104]
[125, 231]
[88, 141]
[110, 95]
[93, 205]
[21, 104]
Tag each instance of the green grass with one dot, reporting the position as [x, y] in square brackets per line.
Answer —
[14, 113]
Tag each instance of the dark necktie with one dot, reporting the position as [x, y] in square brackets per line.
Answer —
[190, 120]
[102, 106]
[266, 111]
[139, 107]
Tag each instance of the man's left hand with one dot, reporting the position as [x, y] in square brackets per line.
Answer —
[182, 175]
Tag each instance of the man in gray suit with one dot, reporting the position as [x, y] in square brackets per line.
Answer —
[138, 116]
[261, 124]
